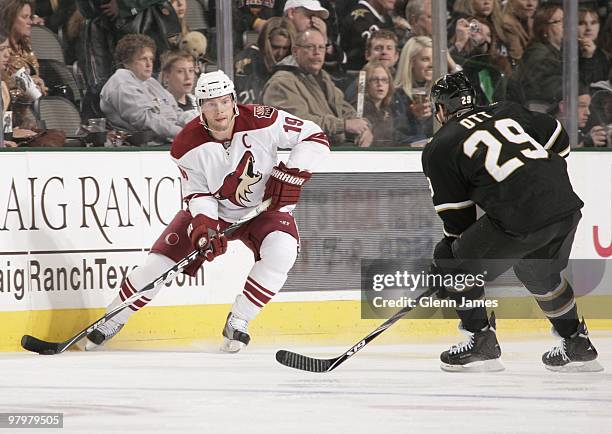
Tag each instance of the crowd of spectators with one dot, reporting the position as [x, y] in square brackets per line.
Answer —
[307, 60]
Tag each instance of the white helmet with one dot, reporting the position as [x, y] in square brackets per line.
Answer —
[213, 85]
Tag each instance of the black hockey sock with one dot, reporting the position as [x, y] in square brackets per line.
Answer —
[567, 324]
[473, 320]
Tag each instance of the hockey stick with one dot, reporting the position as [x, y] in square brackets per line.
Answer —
[39, 346]
[311, 364]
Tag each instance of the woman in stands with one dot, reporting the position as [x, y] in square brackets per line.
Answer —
[413, 115]
[16, 15]
[133, 100]
[377, 108]
[253, 65]
[178, 77]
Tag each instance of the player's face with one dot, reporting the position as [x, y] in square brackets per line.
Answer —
[219, 113]
[378, 85]
[483, 7]
[383, 50]
[142, 64]
[583, 110]
[281, 46]
[310, 53]
[588, 27]
[525, 8]
[180, 78]
[422, 66]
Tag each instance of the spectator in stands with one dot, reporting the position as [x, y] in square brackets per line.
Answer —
[180, 7]
[491, 12]
[539, 75]
[595, 136]
[18, 133]
[134, 101]
[594, 65]
[301, 87]
[518, 26]
[381, 46]
[601, 110]
[378, 102]
[365, 18]
[418, 14]
[178, 77]
[413, 115]
[54, 14]
[17, 16]
[254, 65]
[310, 14]
[605, 37]
[474, 47]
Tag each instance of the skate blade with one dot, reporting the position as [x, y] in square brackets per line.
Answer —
[230, 346]
[591, 366]
[493, 365]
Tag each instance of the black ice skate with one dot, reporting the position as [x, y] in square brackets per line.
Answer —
[102, 334]
[573, 354]
[236, 336]
[480, 353]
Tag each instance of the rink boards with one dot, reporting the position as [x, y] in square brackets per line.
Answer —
[72, 224]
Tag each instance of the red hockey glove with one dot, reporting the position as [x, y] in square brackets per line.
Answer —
[285, 186]
[205, 237]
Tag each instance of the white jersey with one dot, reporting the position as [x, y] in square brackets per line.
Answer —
[227, 180]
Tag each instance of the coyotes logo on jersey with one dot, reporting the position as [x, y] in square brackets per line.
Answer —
[237, 185]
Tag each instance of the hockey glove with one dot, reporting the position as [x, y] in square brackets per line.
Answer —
[205, 237]
[284, 186]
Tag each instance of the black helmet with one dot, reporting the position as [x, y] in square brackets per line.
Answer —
[454, 92]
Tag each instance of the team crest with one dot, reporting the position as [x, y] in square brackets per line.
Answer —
[237, 185]
[263, 111]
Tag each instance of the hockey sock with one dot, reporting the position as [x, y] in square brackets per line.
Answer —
[278, 253]
[137, 279]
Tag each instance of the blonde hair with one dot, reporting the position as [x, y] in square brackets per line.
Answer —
[369, 68]
[403, 76]
[496, 18]
[274, 26]
[168, 59]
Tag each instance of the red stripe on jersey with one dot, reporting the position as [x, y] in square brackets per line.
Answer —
[261, 288]
[318, 138]
[190, 137]
[252, 299]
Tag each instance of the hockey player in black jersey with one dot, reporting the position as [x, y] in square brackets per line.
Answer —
[510, 162]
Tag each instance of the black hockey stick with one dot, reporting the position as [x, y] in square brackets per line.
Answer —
[311, 364]
[39, 346]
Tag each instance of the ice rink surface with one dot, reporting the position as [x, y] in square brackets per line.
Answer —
[383, 389]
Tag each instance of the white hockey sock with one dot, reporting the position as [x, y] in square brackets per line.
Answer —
[154, 265]
[278, 253]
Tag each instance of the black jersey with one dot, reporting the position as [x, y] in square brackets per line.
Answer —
[505, 159]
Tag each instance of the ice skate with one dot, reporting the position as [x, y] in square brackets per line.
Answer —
[573, 354]
[235, 334]
[480, 353]
[102, 334]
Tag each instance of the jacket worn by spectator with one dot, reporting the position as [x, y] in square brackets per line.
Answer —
[594, 69]
[540, 73]
[250, 75]
[134, 105]
[357, 28]
[408, 129]
[311, 97]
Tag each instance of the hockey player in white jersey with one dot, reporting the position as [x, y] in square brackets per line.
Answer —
[228, 163]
